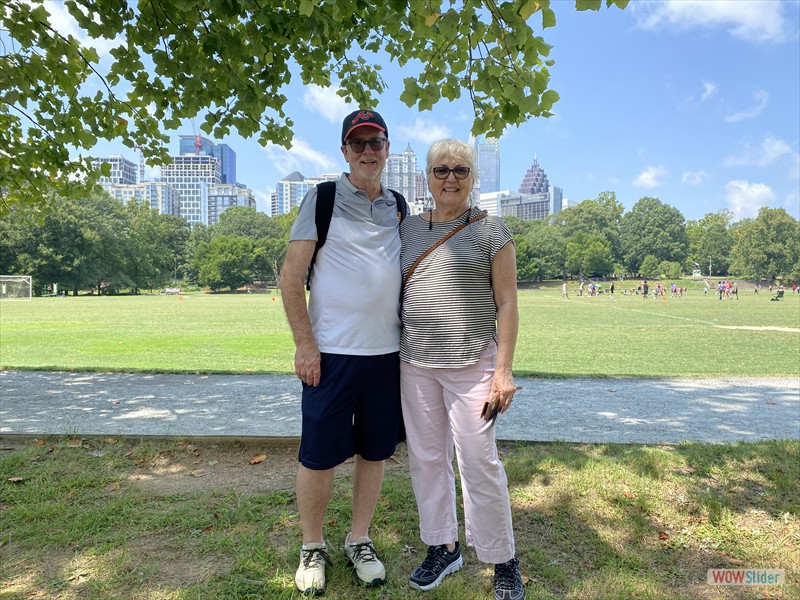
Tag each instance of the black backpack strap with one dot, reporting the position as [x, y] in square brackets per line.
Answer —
[326, 191]
[402, 206]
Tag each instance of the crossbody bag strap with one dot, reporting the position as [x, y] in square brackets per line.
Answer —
[415, 264]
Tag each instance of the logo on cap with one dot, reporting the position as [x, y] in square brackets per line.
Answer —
[364, 115]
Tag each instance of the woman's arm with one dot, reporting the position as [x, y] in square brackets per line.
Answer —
[504, 286]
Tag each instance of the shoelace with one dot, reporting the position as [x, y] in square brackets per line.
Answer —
[505, 575]
[363, 552]
[435, 560]
[312, 557]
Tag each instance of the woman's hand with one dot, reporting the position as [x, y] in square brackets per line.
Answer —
[502, 392]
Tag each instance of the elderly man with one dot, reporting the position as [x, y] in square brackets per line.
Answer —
[347, 343]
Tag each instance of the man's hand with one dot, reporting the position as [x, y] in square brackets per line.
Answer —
[307, 364]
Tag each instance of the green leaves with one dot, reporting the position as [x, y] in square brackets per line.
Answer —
[233, 60]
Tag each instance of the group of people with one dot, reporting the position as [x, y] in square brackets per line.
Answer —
[594, 289]
[409, 333]
[675, 290]
[727, 289]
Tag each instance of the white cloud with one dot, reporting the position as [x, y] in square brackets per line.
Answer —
[754, 21]
[761, 98]
[745, 198]
[422, 130]
[326, 102]
[263, 201]
[65, 24]
[650, 178]
[694, 177]
[709, 90]
[768, 153]
[300, 156]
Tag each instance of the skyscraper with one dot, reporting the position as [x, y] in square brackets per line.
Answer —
[196, 144]
[193, 175]
[488, 151]
[123, 170]
[400, 173]
[535, 180]
[225, 195]
[159, 195]
[291, 190]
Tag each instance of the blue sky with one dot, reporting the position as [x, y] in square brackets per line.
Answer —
[695, 102]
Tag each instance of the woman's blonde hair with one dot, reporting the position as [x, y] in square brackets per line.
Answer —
[457, 149]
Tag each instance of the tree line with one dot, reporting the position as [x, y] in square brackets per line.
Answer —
[100, 245]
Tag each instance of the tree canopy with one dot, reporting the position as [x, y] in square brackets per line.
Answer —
[768, 246]
[652, 228]
[99, 244]
[175, 59]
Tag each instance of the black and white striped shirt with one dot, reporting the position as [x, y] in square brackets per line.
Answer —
[448, 310]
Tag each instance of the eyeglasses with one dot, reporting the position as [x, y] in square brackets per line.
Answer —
[358, 146]
[444, 172]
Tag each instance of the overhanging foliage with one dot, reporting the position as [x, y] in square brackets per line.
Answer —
[232, 60]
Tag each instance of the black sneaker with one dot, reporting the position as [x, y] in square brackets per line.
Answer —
[437, 565]
[508, 581]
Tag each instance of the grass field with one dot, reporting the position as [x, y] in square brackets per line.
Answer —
[697, 335]
[111, 519]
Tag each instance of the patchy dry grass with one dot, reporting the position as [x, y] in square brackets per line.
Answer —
[193, 519]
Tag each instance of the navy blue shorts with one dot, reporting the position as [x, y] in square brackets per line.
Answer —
[355, 409]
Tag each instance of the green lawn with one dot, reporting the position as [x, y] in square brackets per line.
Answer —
[111, 519]
[697, 335]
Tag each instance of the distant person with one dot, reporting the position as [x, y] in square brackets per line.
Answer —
[564, 291]
[460, 323]
[611, 289]
[347, 341]
[645, 288]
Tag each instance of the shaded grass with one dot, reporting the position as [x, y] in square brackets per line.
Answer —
[591, 521]
[201, 333]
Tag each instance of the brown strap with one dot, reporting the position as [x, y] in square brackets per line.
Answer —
[415, 264]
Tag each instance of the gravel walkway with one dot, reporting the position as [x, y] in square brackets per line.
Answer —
[647, 411]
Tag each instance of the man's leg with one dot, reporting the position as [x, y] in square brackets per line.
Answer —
[313, 494]
[366, 492]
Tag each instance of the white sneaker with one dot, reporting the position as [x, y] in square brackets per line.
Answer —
[310, 576]
[362, 556]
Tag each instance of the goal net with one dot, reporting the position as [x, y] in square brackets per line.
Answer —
[15, 287]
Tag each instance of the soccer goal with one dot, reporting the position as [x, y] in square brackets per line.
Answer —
[16, 287]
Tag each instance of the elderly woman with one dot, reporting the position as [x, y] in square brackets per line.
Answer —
[460, 324]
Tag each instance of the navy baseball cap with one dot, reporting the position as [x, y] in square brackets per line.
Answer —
[359, 118]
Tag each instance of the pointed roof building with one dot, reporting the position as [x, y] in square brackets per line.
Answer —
[535, 180]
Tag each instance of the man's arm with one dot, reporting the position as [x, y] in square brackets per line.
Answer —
[293, 274]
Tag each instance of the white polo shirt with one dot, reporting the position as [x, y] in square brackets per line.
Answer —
[355, 285]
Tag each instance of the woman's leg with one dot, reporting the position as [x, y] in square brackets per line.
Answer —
[430, 453]
[484, 486]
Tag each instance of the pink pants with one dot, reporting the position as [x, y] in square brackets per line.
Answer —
[442, 413]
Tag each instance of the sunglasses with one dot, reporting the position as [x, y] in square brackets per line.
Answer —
[444, 172]
[359, 146]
